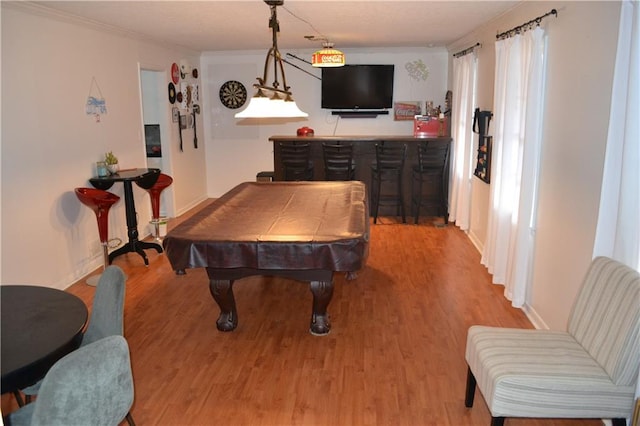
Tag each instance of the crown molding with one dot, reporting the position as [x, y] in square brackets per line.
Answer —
[47, 12]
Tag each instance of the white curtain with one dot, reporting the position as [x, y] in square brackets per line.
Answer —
[464, 90]
[618, 228]
[518, 103]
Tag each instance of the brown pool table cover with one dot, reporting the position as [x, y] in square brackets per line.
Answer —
[279, 226]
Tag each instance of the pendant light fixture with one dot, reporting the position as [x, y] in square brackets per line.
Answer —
[327, 57]
[272, 101]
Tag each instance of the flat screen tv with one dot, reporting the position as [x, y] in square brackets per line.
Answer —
[357, 87]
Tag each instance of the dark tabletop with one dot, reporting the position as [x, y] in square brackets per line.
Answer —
[275, 226]
[39, 326]
[145, 178]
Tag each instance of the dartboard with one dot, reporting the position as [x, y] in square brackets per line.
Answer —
[233, 94]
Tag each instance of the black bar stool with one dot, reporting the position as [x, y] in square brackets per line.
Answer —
[429, 179]
[295, 159]
[338, 161]
[386, 178]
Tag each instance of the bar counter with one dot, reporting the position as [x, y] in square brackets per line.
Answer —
[364, 154]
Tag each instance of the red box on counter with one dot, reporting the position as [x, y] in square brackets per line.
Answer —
[425, 126]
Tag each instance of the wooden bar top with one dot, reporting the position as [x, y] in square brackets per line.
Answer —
[356, 138]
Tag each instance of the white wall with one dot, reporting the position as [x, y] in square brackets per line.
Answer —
[238, 149]
[50, 146]
[581, 52]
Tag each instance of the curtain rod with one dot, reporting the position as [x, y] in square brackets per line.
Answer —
[526, 26]
[465, 51]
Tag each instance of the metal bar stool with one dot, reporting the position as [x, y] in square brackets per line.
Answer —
[295, 159]
[388, 169]
[338, 161]
[154, 193]
[100, 202]
[429, 179]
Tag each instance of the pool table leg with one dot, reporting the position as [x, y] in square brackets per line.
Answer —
[222, 292]
[322, 293]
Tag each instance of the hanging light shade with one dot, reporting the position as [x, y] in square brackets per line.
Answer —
[272, 101]
[327, 57]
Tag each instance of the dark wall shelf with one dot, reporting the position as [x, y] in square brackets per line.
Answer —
[483, 163]
[360, 114]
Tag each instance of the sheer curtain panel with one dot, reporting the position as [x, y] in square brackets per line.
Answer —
[464, 90]
[618, 228]
[518, 104]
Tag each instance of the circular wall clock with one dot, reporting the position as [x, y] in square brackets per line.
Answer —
[233, 94]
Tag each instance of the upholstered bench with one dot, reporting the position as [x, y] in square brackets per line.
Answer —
[588, 371]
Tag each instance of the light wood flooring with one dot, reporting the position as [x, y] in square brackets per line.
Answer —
[395, 354]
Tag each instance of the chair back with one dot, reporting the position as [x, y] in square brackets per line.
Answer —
[338, 161]
[295, 159]
[390, 157]
[433, 158]
[605, 318]
[107, 312]
[90, 386]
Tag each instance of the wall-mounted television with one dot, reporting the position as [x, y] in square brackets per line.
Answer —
[357, 87]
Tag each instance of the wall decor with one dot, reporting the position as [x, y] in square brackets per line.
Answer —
[233, 94]
[96, 104]
[417, 70]
[172, 93]
[175, 73]
[406, 110]
[196, 110]
[185, 69]
[189, 93]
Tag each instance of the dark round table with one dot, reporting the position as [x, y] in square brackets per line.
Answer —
[39, 326]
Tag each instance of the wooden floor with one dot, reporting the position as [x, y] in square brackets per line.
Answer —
[395, 354]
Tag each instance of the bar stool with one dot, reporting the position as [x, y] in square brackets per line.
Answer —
[100, 202]
[295, 160]
[388, 169]
[430, 172]
[154, 193]
[338, 161]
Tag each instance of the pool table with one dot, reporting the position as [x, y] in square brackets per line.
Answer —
[301, 230]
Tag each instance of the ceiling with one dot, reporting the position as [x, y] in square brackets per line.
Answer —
[243, 24]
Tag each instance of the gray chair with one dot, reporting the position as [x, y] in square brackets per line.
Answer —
[588, 371]
[107, 314]
[90, 386]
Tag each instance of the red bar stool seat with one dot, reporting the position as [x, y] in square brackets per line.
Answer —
[100, 202]
[154, 193]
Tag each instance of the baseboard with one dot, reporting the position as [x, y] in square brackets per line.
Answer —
[535, 319]
[191, 205]
[475, 241]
